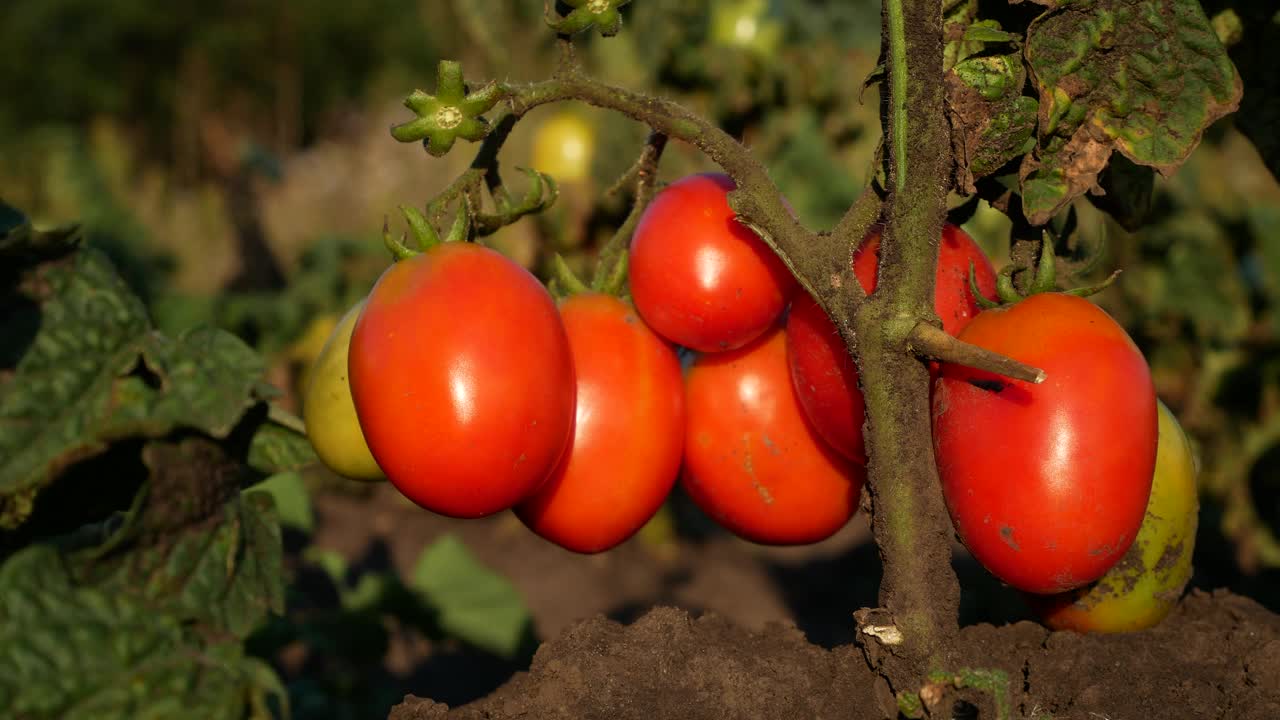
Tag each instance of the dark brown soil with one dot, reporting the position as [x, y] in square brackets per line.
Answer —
[768, 632]
[1218, 656]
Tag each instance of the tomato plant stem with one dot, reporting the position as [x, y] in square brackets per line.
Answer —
[919, 589]
[897, 90]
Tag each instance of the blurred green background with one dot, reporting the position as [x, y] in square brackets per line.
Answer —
[234, 159]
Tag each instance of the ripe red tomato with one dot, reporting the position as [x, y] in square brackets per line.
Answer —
[1047, 484]
[952, 299]
[825, 377]
[699, 278]
[752, 461]
[625, 451]
[462, 379]
[1143, 588]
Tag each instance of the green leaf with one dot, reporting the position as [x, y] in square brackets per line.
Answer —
[73, 329]
[330, 561]
[1265, 264]
[71, 651]
[1199, 279]
[1142, 77]
[988, 31]
[88, 370]
[474, 603]
[277, 449]
[204, 380]
[226, 576]
[292, 500]
[957, 17]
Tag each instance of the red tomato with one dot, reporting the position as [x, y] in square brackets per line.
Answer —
[825, 376]
[698, 277]
[625, 453]
[752, 461]
[462, 379]
[1047, 484]
[952, 299]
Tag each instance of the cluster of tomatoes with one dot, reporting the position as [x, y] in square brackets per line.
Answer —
[466, 385]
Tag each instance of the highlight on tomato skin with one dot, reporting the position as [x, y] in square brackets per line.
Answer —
[752, 461]
[698, 277]
[1047, 484]
[1143, 588]
[628, 437]
[826, 378]
[462, 379]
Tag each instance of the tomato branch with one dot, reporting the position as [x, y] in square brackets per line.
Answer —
[757, 199]
[820, 261]
[643, 175]
[930, 341]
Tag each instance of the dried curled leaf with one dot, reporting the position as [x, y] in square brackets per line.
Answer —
[1142, 77]
[992, 122]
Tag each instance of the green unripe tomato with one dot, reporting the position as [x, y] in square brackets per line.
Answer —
[1145, 585]
[330, 413]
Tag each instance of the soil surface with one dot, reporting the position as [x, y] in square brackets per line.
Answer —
[1218, 656]
[702, 625]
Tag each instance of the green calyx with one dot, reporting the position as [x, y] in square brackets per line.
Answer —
[586, 14]
[1045, 280]
[541, 195]
[469, 221]
[424, 234]
[608, 279]
[451, 113]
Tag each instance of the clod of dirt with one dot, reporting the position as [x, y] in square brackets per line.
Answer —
[1216, 657]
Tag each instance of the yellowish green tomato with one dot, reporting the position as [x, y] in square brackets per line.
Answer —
[745, 24]
[563, 146]
[309, 345]
[330, 413]
[1145, 585]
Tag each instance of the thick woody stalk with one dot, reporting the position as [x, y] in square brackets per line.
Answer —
[919, 590]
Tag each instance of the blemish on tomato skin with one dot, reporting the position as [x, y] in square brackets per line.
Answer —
[750, 469]
[771, 445]
[1107, 549]
[1063, 582]
[1006, 534]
